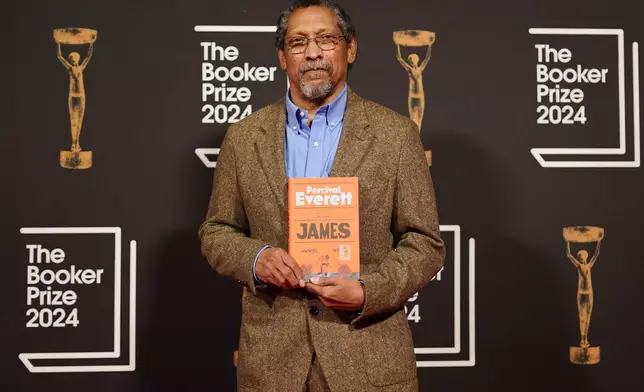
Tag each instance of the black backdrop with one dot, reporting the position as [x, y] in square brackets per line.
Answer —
[143, 123]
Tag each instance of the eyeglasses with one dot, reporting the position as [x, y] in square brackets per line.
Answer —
[325, 42]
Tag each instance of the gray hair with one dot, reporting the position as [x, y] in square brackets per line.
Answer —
[343, 19]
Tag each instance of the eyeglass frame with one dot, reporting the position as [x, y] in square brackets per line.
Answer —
[336, 39]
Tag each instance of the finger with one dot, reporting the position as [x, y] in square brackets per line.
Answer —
[287, 270]
[270, 266]
[292, 264]
[276, 277]
[320, 291]
[288, 274]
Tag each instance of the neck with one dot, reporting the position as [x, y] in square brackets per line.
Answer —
[313, 106]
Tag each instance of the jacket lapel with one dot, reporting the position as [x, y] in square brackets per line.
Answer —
[270, 148]
[355, 141]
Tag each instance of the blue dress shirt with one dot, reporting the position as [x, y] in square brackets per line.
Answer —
[310, 151]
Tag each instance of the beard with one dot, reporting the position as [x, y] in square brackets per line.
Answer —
[317, 89]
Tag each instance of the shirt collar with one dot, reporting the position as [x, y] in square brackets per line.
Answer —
[334, 110]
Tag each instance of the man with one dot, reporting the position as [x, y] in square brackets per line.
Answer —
[332, 334]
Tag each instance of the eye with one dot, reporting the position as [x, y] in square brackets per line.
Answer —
[296, 41]
[326, 38]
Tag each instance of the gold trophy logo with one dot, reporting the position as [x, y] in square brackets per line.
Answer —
[585, 235]
[415, 67]
[75, 158]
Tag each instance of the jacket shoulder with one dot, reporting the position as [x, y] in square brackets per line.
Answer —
[388, 123]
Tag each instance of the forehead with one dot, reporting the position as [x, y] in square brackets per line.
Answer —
[312, 20]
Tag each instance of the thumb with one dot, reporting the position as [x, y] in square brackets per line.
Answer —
[325, 281]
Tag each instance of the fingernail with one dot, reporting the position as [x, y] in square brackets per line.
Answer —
[302, 283]
[315, 280]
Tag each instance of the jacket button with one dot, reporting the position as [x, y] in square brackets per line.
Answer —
[314, 310]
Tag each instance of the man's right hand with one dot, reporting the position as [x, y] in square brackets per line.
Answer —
[277, 267]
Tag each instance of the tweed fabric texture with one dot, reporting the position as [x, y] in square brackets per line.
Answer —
[400, 251]
[316, 382]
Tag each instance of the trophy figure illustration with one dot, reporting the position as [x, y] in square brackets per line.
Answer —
[415, 67]
[75, 158]
[585, 354]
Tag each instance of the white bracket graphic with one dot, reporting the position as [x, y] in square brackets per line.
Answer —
[26, 358]
[539, 153]
[471, 361]
[203, 153]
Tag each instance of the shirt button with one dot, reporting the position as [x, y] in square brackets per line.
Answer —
[332, 124]
[316, 144]
[314, 310]
[294, 127]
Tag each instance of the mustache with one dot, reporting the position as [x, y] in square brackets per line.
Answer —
[315, 65]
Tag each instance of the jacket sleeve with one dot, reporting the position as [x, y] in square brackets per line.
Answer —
[224, 235]
[419, 251]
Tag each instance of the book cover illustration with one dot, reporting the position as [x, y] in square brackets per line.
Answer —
[323, 233]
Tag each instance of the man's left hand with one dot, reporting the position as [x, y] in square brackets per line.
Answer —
[338, 292]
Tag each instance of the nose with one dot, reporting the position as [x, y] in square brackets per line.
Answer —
[313, 51]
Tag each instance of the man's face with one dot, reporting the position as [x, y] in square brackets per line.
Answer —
[315, 73]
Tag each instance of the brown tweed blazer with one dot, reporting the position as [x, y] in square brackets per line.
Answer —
[400, 251]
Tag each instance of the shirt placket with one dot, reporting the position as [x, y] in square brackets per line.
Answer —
[315, 158]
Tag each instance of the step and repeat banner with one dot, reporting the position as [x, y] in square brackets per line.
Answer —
[530, 115]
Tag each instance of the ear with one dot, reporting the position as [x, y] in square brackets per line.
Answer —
[282, 58]
[352, 51]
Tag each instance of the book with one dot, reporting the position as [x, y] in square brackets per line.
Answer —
[323, 226]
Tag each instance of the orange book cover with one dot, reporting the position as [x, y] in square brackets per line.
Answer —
[323, 226]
